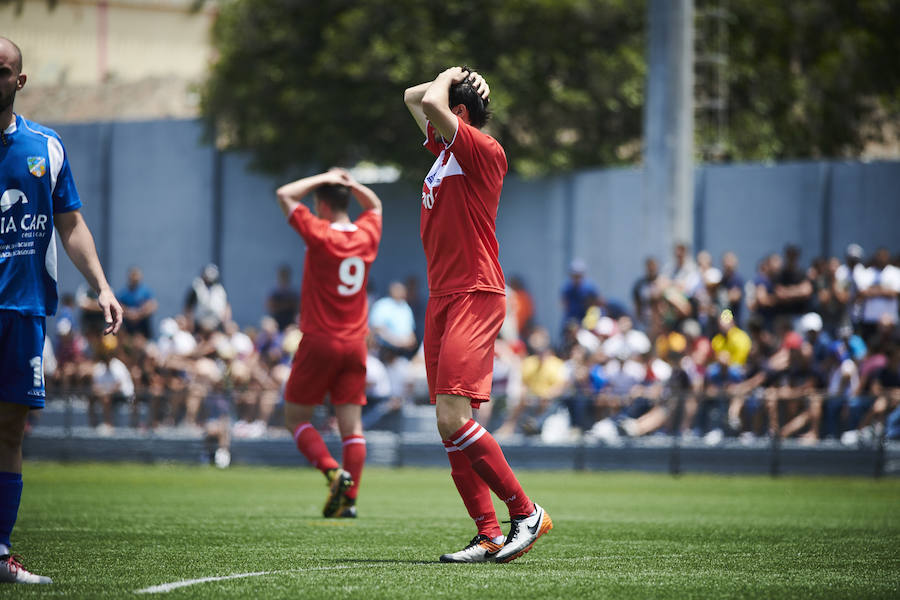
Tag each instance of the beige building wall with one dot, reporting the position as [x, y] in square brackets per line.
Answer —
[82, 42]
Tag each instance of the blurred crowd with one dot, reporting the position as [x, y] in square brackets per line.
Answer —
[806, 350]
[799, 350]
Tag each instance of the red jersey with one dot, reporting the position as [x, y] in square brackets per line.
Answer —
[460, 198]
[335, 272]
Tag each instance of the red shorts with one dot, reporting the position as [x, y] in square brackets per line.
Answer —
[324, 365]
[460, 331]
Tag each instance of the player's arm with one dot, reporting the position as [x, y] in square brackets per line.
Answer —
[290, 194]
[367, 199]
[436, 101]
[413, 99]
[79, 244]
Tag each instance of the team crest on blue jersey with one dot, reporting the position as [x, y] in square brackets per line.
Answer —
[37, 166]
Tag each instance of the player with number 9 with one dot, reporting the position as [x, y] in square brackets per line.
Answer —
[331, 358]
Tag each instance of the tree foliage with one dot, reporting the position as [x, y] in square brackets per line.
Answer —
[320, 82]
[811, 79]
[308, 81]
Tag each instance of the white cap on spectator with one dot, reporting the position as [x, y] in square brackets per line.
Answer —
[605, 327]
[168, 327]
[712, 276]
[855, 250]
[810, 322]
[587, 340]
[577, 267]
[63, 326]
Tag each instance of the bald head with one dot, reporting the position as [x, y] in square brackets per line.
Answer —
[8, 46]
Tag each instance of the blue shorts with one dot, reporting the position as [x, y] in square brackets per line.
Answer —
[21, 358]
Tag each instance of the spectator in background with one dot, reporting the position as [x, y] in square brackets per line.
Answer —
[761, 296]
[646, 295]
[92, 320]
[849, 275]
[393, 323]
[544, 377]
[831, 295]
[578, 293]
[682, 271]
[111, 381]
[732, 340]
[524, 306]
[380, 399]
[842, 377]
[731, 288]
[678, 281]
[705, 300]
[705, 272]
[792, 389]
[793, 289]
[810, 327]
[73, 369]
[206, 304]
[138, 303]
[67, 309]
[878, 394]
[887, 391]
[283, 300]
[879, 289]
[416, 302]
[722, 375]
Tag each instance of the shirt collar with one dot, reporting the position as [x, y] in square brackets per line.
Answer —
[12, 126]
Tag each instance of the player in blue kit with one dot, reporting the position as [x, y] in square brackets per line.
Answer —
[38, 200]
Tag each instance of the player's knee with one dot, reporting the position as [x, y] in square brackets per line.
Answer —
[449, 423]
[10, 438]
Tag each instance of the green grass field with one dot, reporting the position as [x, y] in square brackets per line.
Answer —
[110, 530]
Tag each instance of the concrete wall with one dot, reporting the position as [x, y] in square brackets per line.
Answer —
[157, 196]
[82, 42]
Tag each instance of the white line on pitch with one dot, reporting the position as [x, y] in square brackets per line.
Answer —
[168, 587]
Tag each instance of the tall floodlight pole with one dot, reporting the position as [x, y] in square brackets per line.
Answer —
[668, 210]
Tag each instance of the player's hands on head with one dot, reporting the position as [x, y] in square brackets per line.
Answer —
[340, 176]
[456, 74]
[112, 311]
[480, 85]
[459, 75]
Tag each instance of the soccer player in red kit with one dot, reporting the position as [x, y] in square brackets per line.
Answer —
[331, 357]
[467, 305]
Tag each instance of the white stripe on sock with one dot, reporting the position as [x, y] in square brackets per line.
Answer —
[473, 439]
[354, 441]
[463, 436]
[300, 430]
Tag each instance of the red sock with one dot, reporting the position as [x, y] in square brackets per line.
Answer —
[475, 493]
[354, 458]
[311, 445]
[488, 461]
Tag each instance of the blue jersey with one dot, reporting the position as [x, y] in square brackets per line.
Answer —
[35, 183]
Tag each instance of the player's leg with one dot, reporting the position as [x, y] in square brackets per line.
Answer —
[353, 456]
[475, 493]
[297, 418]
[348, 396]
[12, 432]
[473, 490]
[316, 365]
[464, 377]
[22, 388]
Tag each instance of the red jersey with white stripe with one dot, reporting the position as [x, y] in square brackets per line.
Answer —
[460, 198]
[333, 299]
